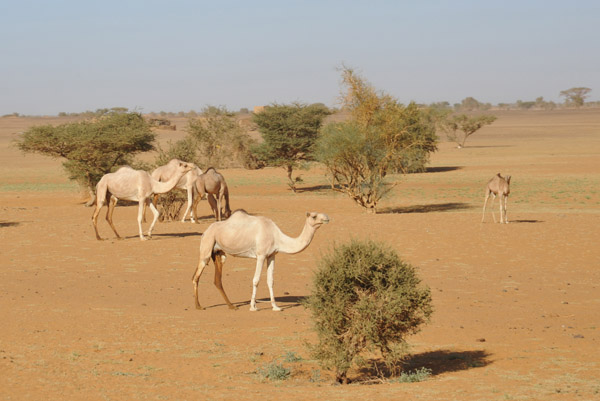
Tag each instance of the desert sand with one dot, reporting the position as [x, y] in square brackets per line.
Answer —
[517, 306]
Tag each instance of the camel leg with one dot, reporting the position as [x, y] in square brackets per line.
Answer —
[218, 259]
[260, 260]
[501, 201]
[109, 214]
[99, 204]
[213, 205]
[505, 207]
[156, 214]
[201, 265]
[193, 214]
[487, 196]
[188, 206]
[271, 280]
[492, 206]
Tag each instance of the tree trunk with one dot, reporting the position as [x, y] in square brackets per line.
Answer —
[292, 184]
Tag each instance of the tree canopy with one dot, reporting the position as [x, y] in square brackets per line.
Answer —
[461, 126]
[289, 132]
[382, 136]
[91, 148]
[575, 96]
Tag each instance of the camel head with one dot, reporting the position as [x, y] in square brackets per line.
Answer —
[185, 167]
[316, 220]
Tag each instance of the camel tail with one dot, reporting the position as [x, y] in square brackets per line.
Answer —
[91, 202]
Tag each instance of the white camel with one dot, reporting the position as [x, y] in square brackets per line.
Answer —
[212, 183]
[498, 185]
[164, 173]
[134, 185]
[249, 236]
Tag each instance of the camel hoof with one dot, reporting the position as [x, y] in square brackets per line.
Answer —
[253, 309]
[233, 307]
[277, 309]
[199, 307]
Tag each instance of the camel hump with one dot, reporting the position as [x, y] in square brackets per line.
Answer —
[240, 211]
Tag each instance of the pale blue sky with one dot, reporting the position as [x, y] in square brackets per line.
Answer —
[77, 55]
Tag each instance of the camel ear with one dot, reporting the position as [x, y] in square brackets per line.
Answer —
[307, 214]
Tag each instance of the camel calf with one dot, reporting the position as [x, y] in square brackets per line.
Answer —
[498, 185]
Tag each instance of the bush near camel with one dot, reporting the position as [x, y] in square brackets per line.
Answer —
[365, 299]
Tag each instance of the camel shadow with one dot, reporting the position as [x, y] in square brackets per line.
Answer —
[431, 208]
[285, 302]
[526, 221]
[437, 362]
[178, 235]
[9, 224]
[158, 237]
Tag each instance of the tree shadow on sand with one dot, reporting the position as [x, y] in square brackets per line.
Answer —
[314, 188]
[442, 169]
[8, 224]
[437, 362]
[431, 208]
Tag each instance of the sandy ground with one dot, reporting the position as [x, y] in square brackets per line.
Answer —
[517, 306]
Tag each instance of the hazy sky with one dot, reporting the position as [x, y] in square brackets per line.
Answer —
[77, 55]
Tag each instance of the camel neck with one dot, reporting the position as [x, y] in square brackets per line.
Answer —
[159, 187]
[298, 244]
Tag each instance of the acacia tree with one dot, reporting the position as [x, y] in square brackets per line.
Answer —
[459, 127]
[289, 132]
[382, 136]
[91, 148]
[575, 96]
[218, 139]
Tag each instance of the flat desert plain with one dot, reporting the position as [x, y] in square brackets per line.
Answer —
[517, 306]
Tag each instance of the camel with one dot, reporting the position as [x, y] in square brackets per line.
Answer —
[249, 236]
[164, 173]
[134, 185]
[213, 184]
[498, 185]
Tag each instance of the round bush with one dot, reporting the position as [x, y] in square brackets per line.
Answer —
[364, 298]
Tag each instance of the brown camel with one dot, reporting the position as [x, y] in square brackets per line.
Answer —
[249, 236]
[498, 185]
[213, 184]
[134, 185]
[164, 173]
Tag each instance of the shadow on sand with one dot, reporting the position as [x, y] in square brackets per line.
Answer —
[438, 362]
[436, 207]
[8, 224]
[441, 169]
[285, 302]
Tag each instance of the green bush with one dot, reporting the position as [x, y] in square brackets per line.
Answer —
[274, 371]
[365, 299]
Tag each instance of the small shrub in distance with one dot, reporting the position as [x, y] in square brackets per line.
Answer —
[274, 371]
[365, 299]
[418, 375]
